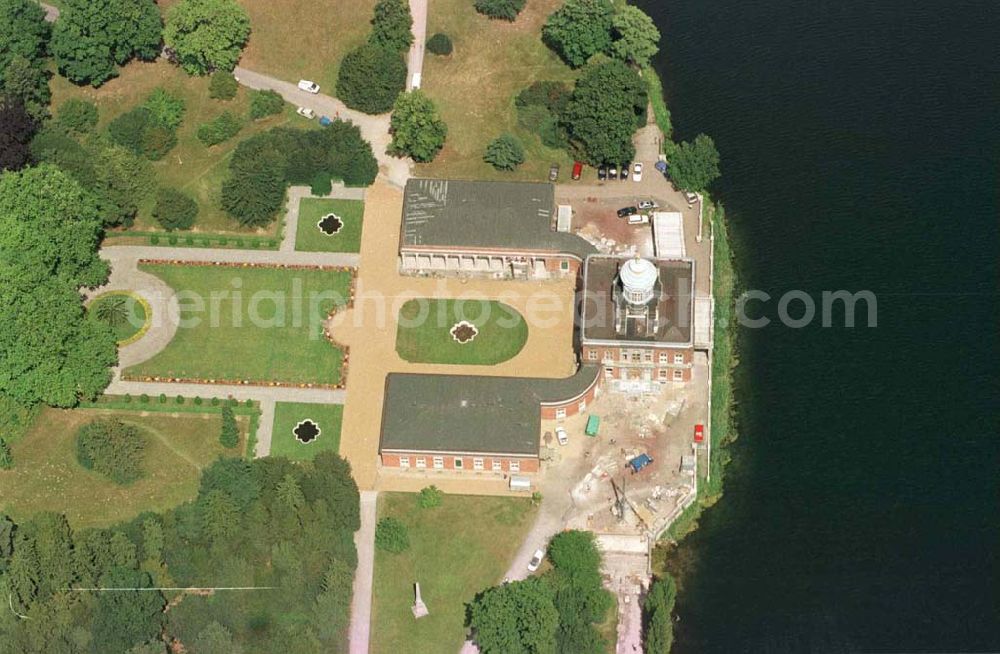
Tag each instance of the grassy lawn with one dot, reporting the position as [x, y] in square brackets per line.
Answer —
[190, 166]
[47, 477]
[289, 414]
[457, 550]
[263, 324]
[475, 86]
[309, 238]
[424, 332]
[127, 324]
[296, 39]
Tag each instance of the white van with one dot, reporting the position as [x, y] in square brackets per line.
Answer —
[308, 86]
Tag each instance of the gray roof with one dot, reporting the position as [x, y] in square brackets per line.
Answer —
[472, 214]
[675, 303]
[474, 414]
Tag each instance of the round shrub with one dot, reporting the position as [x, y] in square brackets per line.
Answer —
[188, 240]
[370, 78]
[440, 44]
[222, 86]
[127, 398]
[113, 448]
[265, 103]
[502, 9]
[144, 398]
[249, 404]
[221, 128]
[238, 242]
[172, 239]
[504, 152]
[154, 240]
[430, 497]
[77, 115]
[321, 184]
[174, 210]
[167, 108]
[179, 399]
[197, 400]
[215, 401]
[223, 240]
[163, 398]
[391, 535]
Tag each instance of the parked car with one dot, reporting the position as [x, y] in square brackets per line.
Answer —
[612, 173]
[699, 433]
[306, 85]
[648, 204]
[577, 170]
[637, 172]
[691, 198]
[625, 212]
[553, 172]
[536, 560]
[306, 112]
[640, 462]
[638, 219]
[561, 436]
[602, 173]
[661, 166]
[623, 171]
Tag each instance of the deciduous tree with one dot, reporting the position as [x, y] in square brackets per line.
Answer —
[607, 106]
[17, 127]
[391, 535]
[657, 621]
[207, 35]
[515, 618]
[28, 82]
[695, 164]
[502, 9]
[175, 210]
[23, 32]
[505, 152]
[635, 36]
[417, 128]
[579, 29]
[392, 25]
[370, 78]
[113, 448]
[126, 618]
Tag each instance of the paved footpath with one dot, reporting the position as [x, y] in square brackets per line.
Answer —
[361, 598]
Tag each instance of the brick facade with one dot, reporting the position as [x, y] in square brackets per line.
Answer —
[463, 463]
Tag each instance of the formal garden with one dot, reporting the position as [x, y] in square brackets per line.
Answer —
[264, 325]
[474, 332]
[302, 430]
[156, 462]
[329, 225]
[455, 550]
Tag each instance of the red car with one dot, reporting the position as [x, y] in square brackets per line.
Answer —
[577, 170]
[699, 433]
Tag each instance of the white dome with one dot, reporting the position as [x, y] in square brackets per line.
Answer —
[639, 275]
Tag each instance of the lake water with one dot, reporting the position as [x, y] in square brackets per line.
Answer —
[860, 151]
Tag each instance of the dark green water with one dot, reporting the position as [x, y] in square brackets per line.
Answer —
[860, 151]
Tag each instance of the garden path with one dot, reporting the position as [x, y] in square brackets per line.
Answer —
[361, 596]
[295, 195]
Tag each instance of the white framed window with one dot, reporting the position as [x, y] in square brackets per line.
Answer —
[592, 355]
[608, 356]
[421, 462]
[404, 462]
[459, 463]
[497, 465]
[678, 358]
[477, 464]
[439, 462]
[582, 406]
[663, 357]
[663, 373]
[560, 413]
[515, 466]
[647, 356]
[636, 357]
[678, 375]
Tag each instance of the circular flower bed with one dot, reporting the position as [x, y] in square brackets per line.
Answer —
[464, 331]
[330, 224]
[306, 431]
[126, 313]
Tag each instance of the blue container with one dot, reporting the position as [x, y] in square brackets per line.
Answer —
[325, 121]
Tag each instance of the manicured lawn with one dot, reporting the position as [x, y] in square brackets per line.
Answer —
[249, 337]
[475, 86]
[126, 324]
[189, 166]
[309, 238]
[297, 39]
[424, 332]
[47, 477]
[457, 550]
[288, 414]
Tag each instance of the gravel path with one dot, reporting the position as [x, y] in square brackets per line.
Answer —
[122, 254]
[415, 59]
[361, 599]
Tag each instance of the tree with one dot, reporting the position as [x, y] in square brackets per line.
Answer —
[333, 604]
[150, 647]
[220, 129]
[113, 448]
[230, 434]
[255, 190]
[6, 459]
[635, 36]
[370, 78]
[504, 152]
[657, 622]
[502, 9]
[391, 535]
[174, 210]
[166, 108]
[124, 619]
[579, 29]
[17, 128]
[207, 35]
[515, 618]
[391, 25]
[579, 596]
[49, 351]
[417, 129]
[122, 181]
[430, 497]
[265, 103]
[77, 115]
[220, 517]
[216, 639]
[607, 106]
[23, 33]
[440, 44]
[28, 82]
[694, 165]
[143, 132]
[223, 86]
[92, 39]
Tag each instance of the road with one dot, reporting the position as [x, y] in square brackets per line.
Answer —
[51, 13]
[415, 59]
